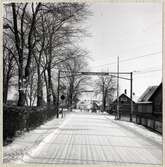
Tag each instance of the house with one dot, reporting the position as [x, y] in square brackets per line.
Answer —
[124, 105]
[149, 108]
[156, 99]
[144, 103]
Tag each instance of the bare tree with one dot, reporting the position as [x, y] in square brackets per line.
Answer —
[41, 33]
[105, 86]
[9, 57]
[75, 82]
[20, 16]
[9, 69]
[61, 26]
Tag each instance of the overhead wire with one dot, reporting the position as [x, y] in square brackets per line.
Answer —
[129, 59]
[149, 71]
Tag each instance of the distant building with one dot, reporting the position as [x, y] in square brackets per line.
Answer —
[84, 105]
[95, 106]
[149, 108]
[124, 105]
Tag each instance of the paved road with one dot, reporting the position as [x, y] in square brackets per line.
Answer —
[85, 138]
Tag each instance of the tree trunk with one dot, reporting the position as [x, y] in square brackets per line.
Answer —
[49, 93]
[21, 100]
[5, 90]
[21, 88]
[5, 85]
[46, 83]
[54, 99]
[70, 95]
[22, 96]
[49, 71]
[54, 95]
[39, 88]
[103, 97]
[31, 90]
[30, 44]
[104, 102]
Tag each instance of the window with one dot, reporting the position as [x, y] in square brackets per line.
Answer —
[123, 99]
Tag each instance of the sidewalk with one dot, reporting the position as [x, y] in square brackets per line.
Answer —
[29, 140]
[139, 130]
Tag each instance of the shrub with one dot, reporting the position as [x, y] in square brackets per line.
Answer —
[24, 118]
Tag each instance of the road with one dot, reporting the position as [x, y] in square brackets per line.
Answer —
[86, 138]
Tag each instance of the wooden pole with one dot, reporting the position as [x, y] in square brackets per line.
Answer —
[131, 86]
[58, 93]
[117, 88]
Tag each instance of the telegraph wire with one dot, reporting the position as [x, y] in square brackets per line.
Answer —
[129, 59]
[144, 72]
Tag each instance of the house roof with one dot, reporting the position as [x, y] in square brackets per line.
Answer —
[147, 94]
[122, 95]
[158, 87]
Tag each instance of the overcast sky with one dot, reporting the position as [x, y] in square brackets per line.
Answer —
[134, 33]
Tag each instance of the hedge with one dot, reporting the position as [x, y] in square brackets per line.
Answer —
[19, 119]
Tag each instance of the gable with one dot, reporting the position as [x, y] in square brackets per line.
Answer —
[147, 94]
[157, 91]
[123, 98]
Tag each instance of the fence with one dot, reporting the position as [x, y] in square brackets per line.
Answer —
[151, 121]
[143, 115]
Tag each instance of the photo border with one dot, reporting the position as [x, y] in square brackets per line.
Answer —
[1, 78]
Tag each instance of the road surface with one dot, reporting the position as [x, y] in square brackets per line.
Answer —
[86, 138]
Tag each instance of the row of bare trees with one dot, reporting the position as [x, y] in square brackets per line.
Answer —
[39, 38]
[106, 87]
[75, 81]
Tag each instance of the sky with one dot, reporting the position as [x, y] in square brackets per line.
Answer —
[132, 31]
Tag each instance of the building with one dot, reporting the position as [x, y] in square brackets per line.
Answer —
[95, 106]
[124, 105]
[149, 108]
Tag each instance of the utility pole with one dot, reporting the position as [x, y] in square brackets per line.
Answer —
[117, 117]
[58, 93]
[131, 86]
[103, 101]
